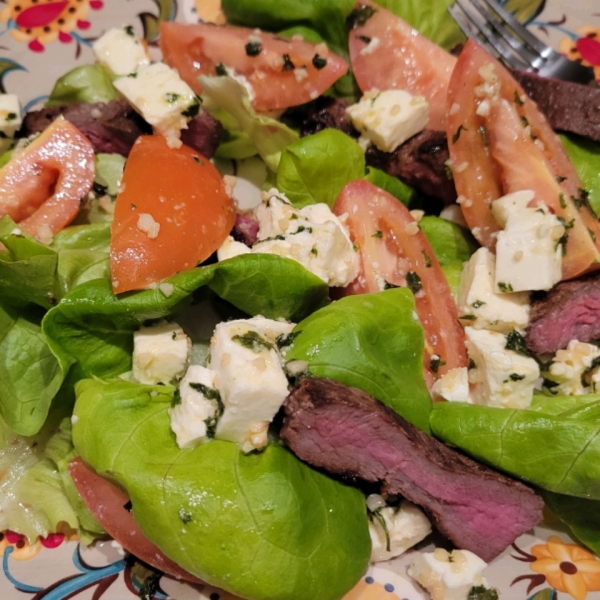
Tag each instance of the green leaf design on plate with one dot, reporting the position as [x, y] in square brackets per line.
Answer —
[167, 9]
[525, 10]
[6, 66]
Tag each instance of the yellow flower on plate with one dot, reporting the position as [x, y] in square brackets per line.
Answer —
[368, 589]
[567, 567]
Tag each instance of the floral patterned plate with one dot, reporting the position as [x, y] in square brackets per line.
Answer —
[39, 41]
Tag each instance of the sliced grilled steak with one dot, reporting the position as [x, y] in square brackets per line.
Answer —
[568, 106]
[114, 126]
[420, 162]
[328, 113]
[347, 432]
[245, 229]
[110, 126]
[569, 311]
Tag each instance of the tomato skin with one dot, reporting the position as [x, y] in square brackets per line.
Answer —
[197, 50]
[403, 59]
[107, 503]
[390, 246]
[518, 151]
[180, 191]
[42, 187]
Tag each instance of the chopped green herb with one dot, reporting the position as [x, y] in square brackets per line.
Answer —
[516, 377]
[373, 100]
[477, 304]
[220, 69]
[483, 132]
[524, 121]
[288, 65]
[562, 242]
[566, 224]
[149, 588]
[208, 392]
[550, 386]
[133, 75]
[435, 362]
[174, 336]
[516, 342]
[592, 235]
[253, 341]
[472, 364]
[414, 282]
[448, 171]
[198, 160]
[378, 234]
[11, 116]
[468, 318]
[359, 16]
[314, 252]
[253, 48]
[562, 201]
[301, 229]
[176, 398]
[480, 592]
[319, 62]
[129, 30]
[185, 516]
[505, 288]
[172, 97]
[99, 189]
[376, 514]
[457, 133]
[284, 341]
[426, 258]
[518, 100]
[193, 109]
[364, 38]
[560, 178]
[389, 286]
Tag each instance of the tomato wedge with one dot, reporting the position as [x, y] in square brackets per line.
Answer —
[394, 251]
[42, 187]
[500, 143]
[281, 72]
[107, 503]
[387, 53]
[172, 213]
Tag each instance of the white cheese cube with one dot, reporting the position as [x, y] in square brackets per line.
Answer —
[406, 526]
[121, 51]
[501, 378]
[453, 385]
[162, 98]
[479, 305]
[569, 367]
[504, 206]
[160, 353]
[528, 251]
[390, 117]
[448, 575]
[312, 236]
[249, 377]
[231, 248]
[10, 119]
[194, 418]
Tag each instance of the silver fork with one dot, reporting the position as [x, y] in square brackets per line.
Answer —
[503, 35]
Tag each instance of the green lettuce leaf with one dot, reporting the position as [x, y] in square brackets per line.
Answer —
[268, 137]
[373, 342]
[393, 186]
[558, 453]
[95, 328]
[87, 83]
[237, 521]
[585, 155]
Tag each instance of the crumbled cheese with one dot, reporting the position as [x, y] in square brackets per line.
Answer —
[230, 248]
[478, 303]
[390, 117]
[405, 525]
[249, 377]
[453, 385]
[448, 575]
[569, 367]
[194, 418]
[454, 214]
[146, 224]
[529, 251]
[161, 353]
[121, 51]
[167, 289]
[504, 206]
[500, 377]
[162, 98]
[10, 119]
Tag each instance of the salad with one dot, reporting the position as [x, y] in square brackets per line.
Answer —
[107, 371]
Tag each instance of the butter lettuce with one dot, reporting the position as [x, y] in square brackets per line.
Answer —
[87, 83]
[252, 524]
[373, 342]
[585, 155]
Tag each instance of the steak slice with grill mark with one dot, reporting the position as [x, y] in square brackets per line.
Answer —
[569, 311]
[349, 433]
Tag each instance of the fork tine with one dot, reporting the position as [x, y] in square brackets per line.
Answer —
[475, 26]
[517, 27]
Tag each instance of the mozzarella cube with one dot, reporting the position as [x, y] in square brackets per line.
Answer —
[161, 353]
[10, 119]
[162, 98]
[249, 377]
[448, 575]
[389, 118]
[194, 418]
[515, 201]
[501, 378]
[569, 367]
[479, 305]
[121, 51]
[453, 385]
[406, 526]
[230, 248]
[529, 251]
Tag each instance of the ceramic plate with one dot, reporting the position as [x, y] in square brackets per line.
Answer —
[41, 40]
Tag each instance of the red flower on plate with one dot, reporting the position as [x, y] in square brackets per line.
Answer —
[585, 49]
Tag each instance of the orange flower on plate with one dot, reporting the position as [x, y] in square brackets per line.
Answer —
[368, 589]
[567, 567]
